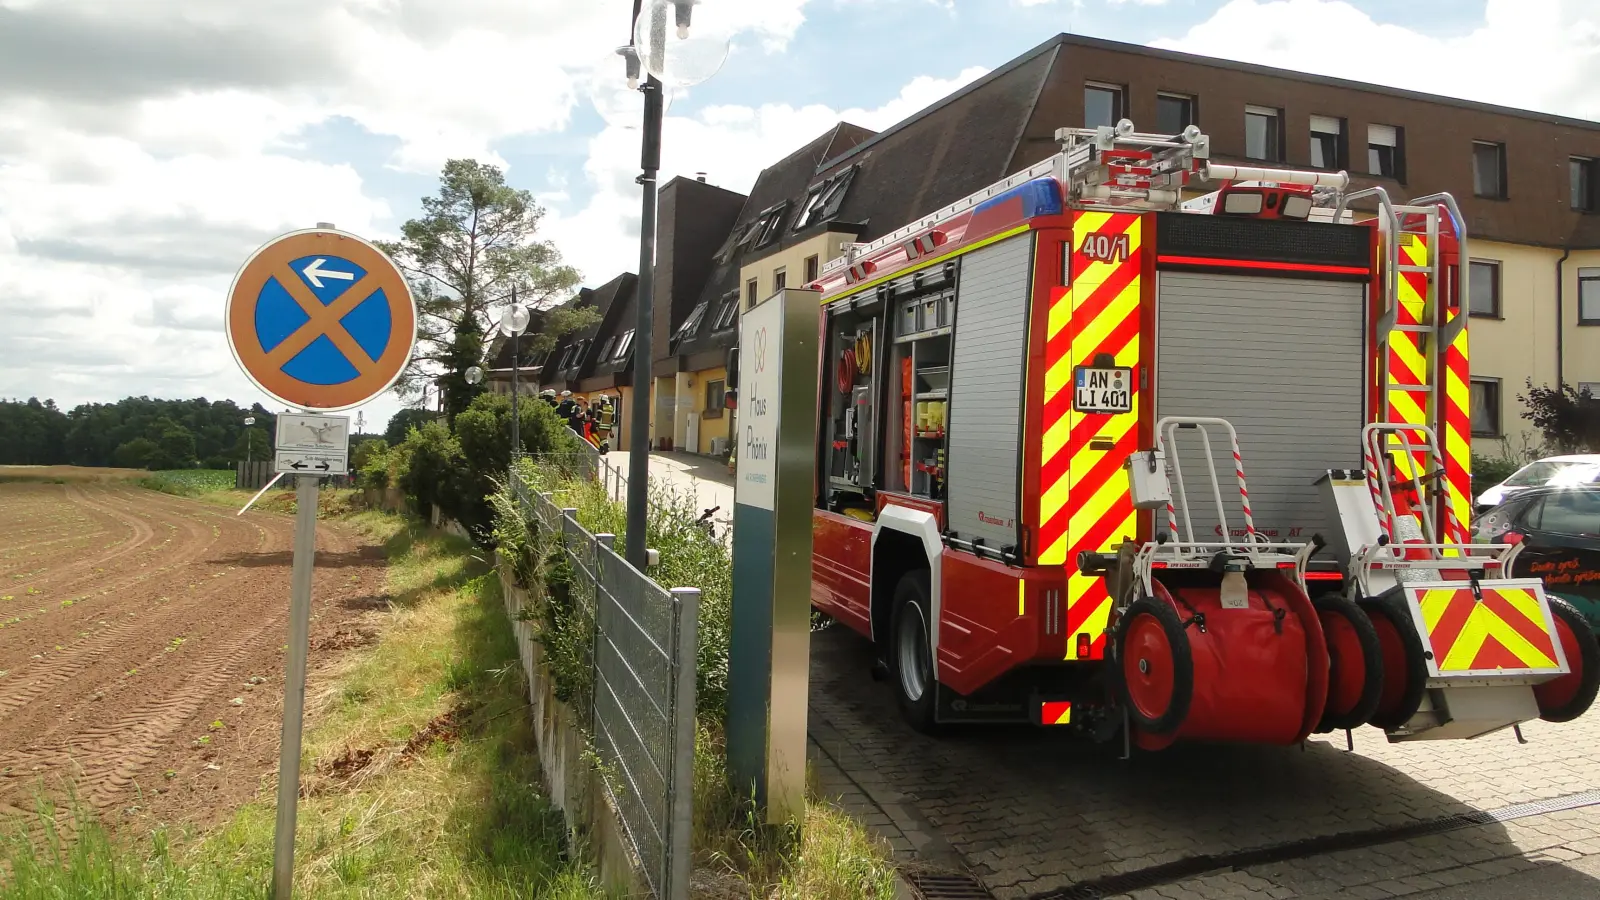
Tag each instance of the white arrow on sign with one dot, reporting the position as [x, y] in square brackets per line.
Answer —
[314, 273]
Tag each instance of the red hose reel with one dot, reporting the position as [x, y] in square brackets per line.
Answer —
[1190, 668]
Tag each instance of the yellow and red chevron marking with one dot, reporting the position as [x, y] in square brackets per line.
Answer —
[1504, 632]
[1408, 359]
[1055, 712]
[1083, 491]
[1455, 432]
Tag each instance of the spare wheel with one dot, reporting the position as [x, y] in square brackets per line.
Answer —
[1568, 697]
[1355, 663]
[1155, 667]
[1405, 670]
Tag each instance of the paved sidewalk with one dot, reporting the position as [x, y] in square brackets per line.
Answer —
[1031, 815]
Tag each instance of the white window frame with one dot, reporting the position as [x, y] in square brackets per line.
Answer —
[1275, 136]
[1591, 276]
[624, 345]
[1383, 136]
[1326, 127]
[1119, 108]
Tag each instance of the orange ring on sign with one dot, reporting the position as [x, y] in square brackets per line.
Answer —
[265, 368]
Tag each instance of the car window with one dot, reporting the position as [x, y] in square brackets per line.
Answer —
[1536, 474]
[1570, 512]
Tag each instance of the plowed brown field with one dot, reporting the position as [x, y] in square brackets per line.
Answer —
[131, 623]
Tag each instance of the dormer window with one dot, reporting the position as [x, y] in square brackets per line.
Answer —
[824, 199]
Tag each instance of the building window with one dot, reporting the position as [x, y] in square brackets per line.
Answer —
[715, 399]
[1383, 151]
[824, 200]
[780, 280]
[764, 229]
[1592, 388]
[752, 290]
[1174, 113]
[1486, 407]
[1327, 136]
[813, 268]
[690, 325]
[1589, 296]
[728, 314]
[1262, 133]
[1483, 289]
[1102, 104]
[624, 345]
[1583, 171]
[1489, 170]
[605, 350]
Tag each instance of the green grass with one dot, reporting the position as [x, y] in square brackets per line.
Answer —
[189, 482]
[832, 857]
[459, 816]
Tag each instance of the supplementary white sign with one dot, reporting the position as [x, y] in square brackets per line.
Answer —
[312, 462]
[313, 433]
[760, 373]
[1102, 391]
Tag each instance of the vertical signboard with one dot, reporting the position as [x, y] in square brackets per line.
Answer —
[770, 657]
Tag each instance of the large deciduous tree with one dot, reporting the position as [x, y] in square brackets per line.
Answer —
[475, 242]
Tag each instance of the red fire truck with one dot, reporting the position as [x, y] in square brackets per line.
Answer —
[1015, 387]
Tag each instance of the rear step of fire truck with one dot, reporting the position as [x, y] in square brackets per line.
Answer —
[1465, 650]
[1210, 641]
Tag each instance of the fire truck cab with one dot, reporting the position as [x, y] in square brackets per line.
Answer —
[1015, 389]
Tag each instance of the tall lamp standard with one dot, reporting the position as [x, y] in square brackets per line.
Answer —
[249, 440]
[693, 53]
[512, 324]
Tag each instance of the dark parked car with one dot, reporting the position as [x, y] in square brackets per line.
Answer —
[1561, 528]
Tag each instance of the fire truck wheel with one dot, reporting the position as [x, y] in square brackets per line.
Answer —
[1355, 657]
[1405, 670]
[1154, 666]
[910, 660]
[1569, 696]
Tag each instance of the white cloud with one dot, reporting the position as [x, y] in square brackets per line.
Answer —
[731, 143]
[1530, 54]
[146, 146]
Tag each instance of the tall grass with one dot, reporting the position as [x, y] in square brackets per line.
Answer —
[829, 856]
[189, 482]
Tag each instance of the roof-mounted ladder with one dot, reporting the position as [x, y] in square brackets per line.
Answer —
[1419, 336]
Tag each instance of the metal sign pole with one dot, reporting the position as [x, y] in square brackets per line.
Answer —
[294, 688]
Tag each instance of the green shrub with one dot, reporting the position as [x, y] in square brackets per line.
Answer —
[433, 459]
[1488, 471]
[688, 558]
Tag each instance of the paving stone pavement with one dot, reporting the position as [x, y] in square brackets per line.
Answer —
[1029, 811]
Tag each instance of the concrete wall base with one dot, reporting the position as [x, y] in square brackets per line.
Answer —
[570, 778]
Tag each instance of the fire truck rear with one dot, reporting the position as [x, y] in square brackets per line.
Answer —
[1095, 457]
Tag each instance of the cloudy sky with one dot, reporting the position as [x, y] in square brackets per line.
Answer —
[148, 146]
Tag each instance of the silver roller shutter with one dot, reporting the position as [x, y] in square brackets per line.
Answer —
[991, 337]
[1283, 360]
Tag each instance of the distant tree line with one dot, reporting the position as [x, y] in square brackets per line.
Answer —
[134, 433]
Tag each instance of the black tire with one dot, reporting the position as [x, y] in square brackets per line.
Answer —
[1372, 660]
[1588, 659]
[1416, 665]
[912, 615]
[1182, 661]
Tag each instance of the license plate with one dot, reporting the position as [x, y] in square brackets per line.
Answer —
[1102, 391]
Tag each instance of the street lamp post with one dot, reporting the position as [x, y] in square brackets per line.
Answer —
[512, 324]
[249, 440]
[680, 62]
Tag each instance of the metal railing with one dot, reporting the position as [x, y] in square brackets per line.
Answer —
[640, 702]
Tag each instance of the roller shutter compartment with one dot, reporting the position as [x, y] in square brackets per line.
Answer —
[1283, 360]
[991, 336]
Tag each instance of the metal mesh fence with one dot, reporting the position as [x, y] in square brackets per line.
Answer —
[640, 700]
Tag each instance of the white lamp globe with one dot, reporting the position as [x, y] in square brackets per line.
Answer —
[683, 42]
